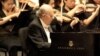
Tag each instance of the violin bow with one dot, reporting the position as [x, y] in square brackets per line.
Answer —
[61, 8]
[17, 3]
[24, 6]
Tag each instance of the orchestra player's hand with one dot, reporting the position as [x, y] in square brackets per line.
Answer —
[96, 11]
[74, 22]
[62, 18]
[59, 18]
[15, 14]
[80, 8]
[13, 10]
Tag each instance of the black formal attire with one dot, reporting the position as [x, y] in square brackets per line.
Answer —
[37, 38]
[9, 31]
[94, 25]
[65, 26]
[7, 34]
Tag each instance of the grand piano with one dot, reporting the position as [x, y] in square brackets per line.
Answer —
[74, 44]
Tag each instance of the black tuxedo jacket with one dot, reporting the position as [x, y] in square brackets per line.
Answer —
[37, 34]
[37, 39]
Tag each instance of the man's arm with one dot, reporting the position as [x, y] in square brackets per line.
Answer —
[36, 36]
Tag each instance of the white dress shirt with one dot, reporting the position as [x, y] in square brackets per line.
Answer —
[46, 30]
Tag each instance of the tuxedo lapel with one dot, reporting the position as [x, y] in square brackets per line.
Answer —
[38, 23]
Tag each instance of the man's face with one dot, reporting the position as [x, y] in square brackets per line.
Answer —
[70, 3]
[50, 16]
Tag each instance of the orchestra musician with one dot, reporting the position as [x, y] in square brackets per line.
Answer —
[69, 9]
[39, 40]
[58, 14]
[89, 17]
[8, 15]
[12, 18]
[27, 10]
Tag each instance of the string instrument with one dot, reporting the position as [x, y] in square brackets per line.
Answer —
[81, 9]
[29, 3]
[21, 4]
[63, 16]
[89, 7]
[60, 13]
[16, 10]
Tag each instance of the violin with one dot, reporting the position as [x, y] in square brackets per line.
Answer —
[90, 7]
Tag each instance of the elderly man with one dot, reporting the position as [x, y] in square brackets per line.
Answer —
[39, 30]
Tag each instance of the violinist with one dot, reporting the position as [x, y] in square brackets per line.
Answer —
[90, 19]
[58, 15]
[84, 21]
[8, 16]
[25, 4]
[27, 12]
[69, 9]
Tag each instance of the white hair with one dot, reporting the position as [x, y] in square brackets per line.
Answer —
[45, 8]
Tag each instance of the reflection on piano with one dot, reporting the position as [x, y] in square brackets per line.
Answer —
[72, 44]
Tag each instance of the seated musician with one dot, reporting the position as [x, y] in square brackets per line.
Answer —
[11, 20]
[69, 10]
[39, 31]
[92, 14]
[8, 17]
[58, 15]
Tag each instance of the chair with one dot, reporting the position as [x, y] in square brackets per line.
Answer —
[23, 36]
[3, 50]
